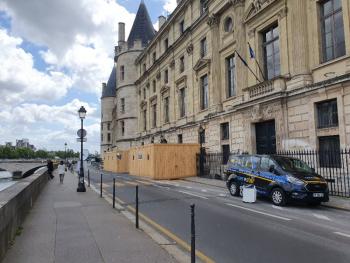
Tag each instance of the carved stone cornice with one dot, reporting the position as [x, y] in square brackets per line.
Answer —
[256, 7]
[153, 99]
[213, 20]
[164, 89]
[202, 63]
[237, 2]
[251, 33]
[181, 80]
[172, 64]
[189, 49]
[282, 13]
[143, 104]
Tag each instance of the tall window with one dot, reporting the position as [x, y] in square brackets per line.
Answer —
[122, 72]
[203, 47]
[166, 76]
[144, 67]
[230, 69]
[203, 6]
[327, 114]
[201, 136]
[154, 85]
[179, 138]
[204, 92]
[101, 126]
[271, 52]
[109, 137]
[122, 105]
[108, 126]
[154, 115]
[144, 117]
[332, 29]
[182, 102]
[122, 127]
[166, 109]
[144, 93]
[182, 27]
[154, 57]
[101, 137]
[225, 131]
[182, 64]
[166, 44]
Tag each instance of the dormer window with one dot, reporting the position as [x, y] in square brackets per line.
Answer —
[166, 44]
[182, 27]
[203, 6]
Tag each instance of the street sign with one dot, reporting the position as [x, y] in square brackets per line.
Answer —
[81, 133]
[79, 139]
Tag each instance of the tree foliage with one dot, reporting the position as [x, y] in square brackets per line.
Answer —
[26, 153]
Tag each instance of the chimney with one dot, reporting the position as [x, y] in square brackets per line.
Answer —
[121, 32]
[104, 85]
[161, 21]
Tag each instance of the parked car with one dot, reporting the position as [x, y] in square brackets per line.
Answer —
[281, 178]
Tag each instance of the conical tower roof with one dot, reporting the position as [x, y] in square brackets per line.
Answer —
[142, 29]
[110, 89]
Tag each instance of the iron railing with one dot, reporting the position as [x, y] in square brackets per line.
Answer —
[334, 166]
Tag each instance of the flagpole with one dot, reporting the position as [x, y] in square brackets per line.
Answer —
[256, 61]
[245, 63]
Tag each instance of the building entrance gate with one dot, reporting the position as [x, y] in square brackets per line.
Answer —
[265, 137]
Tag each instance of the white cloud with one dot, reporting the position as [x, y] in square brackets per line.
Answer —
[50, 126]
[169, 5]
[19, 80]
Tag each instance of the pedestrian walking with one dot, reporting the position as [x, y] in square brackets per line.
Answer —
[61, 170]
[50, 169]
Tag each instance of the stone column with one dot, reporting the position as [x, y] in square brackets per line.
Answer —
[299, 47]
[215, 87]
[241, 46]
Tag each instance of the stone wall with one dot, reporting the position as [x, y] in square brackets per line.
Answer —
[16, 201]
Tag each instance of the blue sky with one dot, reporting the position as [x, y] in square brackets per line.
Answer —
[55, 55]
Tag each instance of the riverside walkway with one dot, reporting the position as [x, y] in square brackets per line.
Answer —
[66, 226]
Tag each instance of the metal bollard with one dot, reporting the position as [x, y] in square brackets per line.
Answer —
[88, 178]
[101, 186]
[137, 207]
[113, 192]
[193, 236]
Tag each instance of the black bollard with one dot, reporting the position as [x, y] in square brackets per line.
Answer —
[193, 236]
[113, 192]
[101, 186]
[88, 178]
[137, 207]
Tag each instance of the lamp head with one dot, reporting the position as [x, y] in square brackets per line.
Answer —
[82, 112]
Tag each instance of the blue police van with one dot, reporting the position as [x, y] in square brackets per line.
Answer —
[283, 179]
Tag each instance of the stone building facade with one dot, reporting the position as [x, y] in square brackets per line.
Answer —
[237, 75]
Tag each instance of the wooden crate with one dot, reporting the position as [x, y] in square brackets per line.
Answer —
[116, 161]
[164, 161]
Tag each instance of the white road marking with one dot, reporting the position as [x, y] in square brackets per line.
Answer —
[342, 234]
[222, 195]
[259, 212]
[277, 207]
[188, 187]
[321, 217]
[161, 186]
[204, 190]
[203, 197]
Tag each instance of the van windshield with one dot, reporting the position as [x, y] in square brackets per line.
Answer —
[292, 165]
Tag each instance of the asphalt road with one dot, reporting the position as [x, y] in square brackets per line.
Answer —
[229, 230]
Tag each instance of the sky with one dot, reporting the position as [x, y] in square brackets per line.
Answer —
[54, 56]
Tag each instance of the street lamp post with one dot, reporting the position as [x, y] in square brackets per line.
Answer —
[65, 152]
[81, 184]
[201, 150]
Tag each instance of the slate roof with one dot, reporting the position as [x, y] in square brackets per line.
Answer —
[142, 29]
[110, 89]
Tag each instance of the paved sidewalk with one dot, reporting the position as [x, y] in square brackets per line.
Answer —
[66, 226]
[334, 202]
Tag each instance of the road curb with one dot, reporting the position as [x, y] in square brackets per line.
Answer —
[336, 207]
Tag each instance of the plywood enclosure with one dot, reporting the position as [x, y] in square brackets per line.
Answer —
[116, 161]
[164, 161]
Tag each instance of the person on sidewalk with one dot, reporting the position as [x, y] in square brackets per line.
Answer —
[49, 169]
[61, 170]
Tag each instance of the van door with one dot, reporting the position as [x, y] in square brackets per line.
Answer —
[266, 176]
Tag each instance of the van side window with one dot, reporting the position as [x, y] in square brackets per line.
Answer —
[251, 162]
[265, 164]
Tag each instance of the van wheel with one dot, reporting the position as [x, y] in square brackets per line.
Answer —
[234, 188]
[278, 197]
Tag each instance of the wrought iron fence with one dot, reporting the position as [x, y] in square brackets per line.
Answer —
[334, 166]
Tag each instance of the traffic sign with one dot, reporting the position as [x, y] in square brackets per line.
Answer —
[81, 133]
[79, 139]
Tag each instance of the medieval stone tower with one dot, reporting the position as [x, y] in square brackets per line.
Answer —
[119, 96]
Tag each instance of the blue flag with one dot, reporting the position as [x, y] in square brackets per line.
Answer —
[251, 51]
